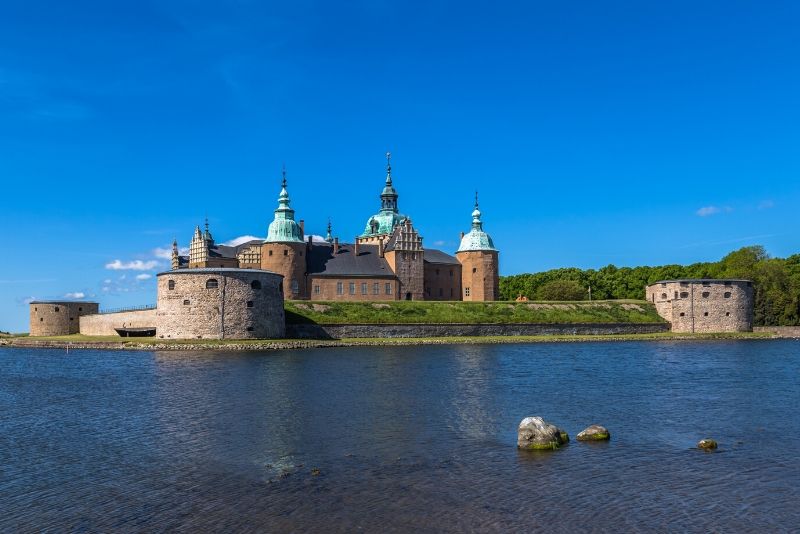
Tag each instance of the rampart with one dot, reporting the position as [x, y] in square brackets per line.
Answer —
[103, 324]
[704, 305]
[58, 318]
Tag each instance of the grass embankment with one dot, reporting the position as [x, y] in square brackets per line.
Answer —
[611, 311]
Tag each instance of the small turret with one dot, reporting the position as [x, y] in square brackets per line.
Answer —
[283, 228]
[329, 237]
[175, 258]
[480, 280]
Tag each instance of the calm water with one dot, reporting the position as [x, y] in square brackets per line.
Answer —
[412, 438]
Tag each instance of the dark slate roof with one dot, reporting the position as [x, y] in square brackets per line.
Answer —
[437, 256]
[322, 261]
[225, 251]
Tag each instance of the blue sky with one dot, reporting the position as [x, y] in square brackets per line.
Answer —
[617, 132]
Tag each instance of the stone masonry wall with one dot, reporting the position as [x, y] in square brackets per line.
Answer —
[704, 306]
[316, 331]
[234, 309]
[480, 274]
[103, 324]
[58, 318]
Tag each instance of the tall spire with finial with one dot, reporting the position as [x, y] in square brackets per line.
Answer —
[389, 169]
[329, 237]
[476, 238]
[283, 228]
[175, 258]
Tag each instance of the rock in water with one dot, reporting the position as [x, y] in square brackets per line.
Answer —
[594, 433]
[707, 444]
[535, 433]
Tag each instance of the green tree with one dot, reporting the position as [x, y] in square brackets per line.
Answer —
[562, 290]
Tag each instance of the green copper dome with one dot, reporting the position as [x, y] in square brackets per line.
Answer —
[388, 217]
[283, 229]
[476, 239]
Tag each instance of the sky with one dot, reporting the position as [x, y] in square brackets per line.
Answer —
[625, 133]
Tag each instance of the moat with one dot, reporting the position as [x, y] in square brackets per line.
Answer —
[401, 438]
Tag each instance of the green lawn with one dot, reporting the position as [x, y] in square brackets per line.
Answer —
[393, 312]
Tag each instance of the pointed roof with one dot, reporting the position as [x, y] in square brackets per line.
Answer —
[476, 238]
[283, 228]
[383, 222]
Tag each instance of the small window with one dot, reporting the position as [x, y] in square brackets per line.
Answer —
[376, 288]
[286, 252]
[663, 285]
[56, 308]
[35, 308]
[352, 288]
[684, 294]
[727, 295]
[466, 291]
[295, 287]
[316, 289]
[185, 302]
[71, 318]
[682, 314]
[706, 294]
[41, 319]
[339, 288]
[388, 288]
[171, 285]
[474, 270]
[80, 309]
[663, 296]
[255, 284]
[212, 283]
[249, 303]
[705, 314]
[363, 288]
[676, 294]
[727, 314]
[249, 328]
[270, 253]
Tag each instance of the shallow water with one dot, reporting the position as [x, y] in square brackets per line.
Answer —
[405, 438]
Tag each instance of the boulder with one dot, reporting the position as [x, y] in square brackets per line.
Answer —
[535, 433]
[707, 444]
[594, 433]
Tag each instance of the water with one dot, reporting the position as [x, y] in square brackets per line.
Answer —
[405, 438]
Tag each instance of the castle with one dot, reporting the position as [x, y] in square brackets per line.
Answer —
[386, 262]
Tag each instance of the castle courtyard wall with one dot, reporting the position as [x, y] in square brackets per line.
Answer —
[103, 324]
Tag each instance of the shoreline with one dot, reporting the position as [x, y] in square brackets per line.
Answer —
[79, 342]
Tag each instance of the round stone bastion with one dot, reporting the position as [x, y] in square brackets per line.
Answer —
[704, 305]
[58, 317]
[220, 304]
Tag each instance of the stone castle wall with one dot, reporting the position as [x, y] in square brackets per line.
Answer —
[704, 306]
[58, 318]
[220, 304]
[103, 324]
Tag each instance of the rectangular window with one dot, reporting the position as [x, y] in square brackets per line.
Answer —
[363, 288]
[352, 288]
[339, 288]
[466, 291]
[388, 288]
[316, 289]
[376, 288]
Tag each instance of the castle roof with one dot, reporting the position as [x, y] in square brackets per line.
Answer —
[439, 257]
[388, 217]
[283, 228]
[476, 239]
[368, 263]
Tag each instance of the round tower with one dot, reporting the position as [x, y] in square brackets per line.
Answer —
[480, 267]
[284, 251]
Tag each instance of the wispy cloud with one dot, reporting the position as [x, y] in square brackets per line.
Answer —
[144, 276]
[706, 211]
[766, 204]
[235, 242]
[135, 265]
[751, 238]
[75, 295]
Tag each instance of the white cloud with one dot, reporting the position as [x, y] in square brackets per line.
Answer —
[107, 281]
[235, 242]
[144, 276]
[75, 295]
[705, 211]
[439, 243]
[317, 238]
[163, 253]
[135, 265]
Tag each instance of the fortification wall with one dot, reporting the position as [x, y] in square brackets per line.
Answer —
[51, 318]
[220, 304]
[103, 324]
[704, 306]
[318, 331]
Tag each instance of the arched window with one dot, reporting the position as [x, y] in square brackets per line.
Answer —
[255, 284]
[171, 285]
[664, 296]
[212, 283]
[727, 295]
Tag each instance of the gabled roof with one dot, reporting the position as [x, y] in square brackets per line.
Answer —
[322, 261]
[437, 256]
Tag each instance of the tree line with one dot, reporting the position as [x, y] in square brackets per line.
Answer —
[776, 281]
